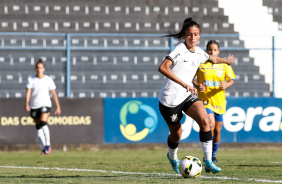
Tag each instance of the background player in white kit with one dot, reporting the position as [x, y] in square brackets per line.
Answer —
[39, 104]
[177, 93]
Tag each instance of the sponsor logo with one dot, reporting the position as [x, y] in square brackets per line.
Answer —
[128, 129]
[192, 62]
[176, 56]
[212, 83]
[237, 119]
[205, 102]
[191, 98]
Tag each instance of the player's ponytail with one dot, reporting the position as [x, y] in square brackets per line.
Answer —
[189, 22]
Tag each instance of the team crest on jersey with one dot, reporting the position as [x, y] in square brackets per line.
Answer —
[219, 73]
[174, 118]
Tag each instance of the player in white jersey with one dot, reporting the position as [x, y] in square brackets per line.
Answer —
[177, 93]
[39, 104]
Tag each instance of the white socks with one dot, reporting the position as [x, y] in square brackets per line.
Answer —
[207, 149]
[47, 134]
[172, 153]
[43, 135]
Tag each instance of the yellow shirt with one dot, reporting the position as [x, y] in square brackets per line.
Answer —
[212, 75]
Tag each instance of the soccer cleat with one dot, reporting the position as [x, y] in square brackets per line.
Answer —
[43, 152]
[47, 150]
[174, 164]
[214, 159]
[211, 167]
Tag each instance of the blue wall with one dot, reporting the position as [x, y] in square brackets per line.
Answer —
[138, 120]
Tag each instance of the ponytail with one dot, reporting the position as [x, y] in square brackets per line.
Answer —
[189, 22]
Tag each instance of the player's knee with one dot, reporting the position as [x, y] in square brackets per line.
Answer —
[40, 124]
[205, 122]
[213, 129]
[217, 130]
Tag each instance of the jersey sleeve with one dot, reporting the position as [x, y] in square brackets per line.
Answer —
[203, 56]
[29, 83]
[174, 56]
[229, 73]
[52, 85]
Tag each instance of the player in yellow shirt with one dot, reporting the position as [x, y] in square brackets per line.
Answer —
[212, 80]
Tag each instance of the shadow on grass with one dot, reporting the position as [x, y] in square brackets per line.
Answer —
[45, 176]
[255, 165]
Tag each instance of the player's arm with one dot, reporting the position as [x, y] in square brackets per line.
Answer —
[216, 60]
[225, 85]
[200, 87]
[27, 99]
[56, 100]
[166, 71]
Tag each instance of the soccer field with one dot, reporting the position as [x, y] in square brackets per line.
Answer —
[135, 166]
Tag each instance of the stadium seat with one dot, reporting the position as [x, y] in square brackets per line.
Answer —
[111, 72]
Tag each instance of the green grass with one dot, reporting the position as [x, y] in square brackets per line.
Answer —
[136, 166]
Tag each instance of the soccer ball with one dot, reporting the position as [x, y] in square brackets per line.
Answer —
[190, 167]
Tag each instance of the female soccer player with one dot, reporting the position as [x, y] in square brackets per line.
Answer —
[39, 104]
[177, 93]
[212, 80]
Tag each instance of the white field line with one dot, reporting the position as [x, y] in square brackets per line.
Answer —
[135, 173]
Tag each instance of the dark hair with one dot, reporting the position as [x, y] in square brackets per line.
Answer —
[212, 42]
[40, 61]
[189, 22]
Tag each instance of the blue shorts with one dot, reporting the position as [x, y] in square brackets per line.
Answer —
[217, 117]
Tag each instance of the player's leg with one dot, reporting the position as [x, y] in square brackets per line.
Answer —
[216, 138]
[43, 121]
[40, 135]
[35, 114]
[211, 116]
[211, 122]
[198, 112]
[172, 142]
[172, 117]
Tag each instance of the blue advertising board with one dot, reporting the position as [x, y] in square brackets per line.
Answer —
[138, 120]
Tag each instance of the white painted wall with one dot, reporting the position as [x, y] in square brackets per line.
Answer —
[256, 28]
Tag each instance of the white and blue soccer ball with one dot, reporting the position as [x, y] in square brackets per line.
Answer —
[190, 167]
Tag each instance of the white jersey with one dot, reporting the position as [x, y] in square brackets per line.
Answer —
[185, 65]
[40, 91]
